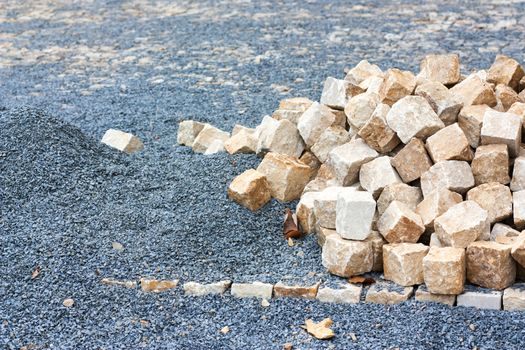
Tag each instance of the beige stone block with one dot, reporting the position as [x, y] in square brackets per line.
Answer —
[449, 143]
[314, 121]
[506, 96]
[287, 176]
[518, 206]
[157, 286]
[377, 174]
[441, 68]
[347, 258]
[208, 135]
[495, 198]
[300, 289]
[346, 160]
[337, 92]
[502, 230]
[409, 195]
[325, 204]
[436, 204]
[359, 109]
[250, 189]
[470, 120]
[396, 85]
[241, 142]
[354, 213]
[491, 164]
[412, 116]
[330, 138]
[490, 265]
[403, 263]
[514, 298]
[518, 108]
[412, 160]
[238, 128]
[341, 294]
[295, 104]
[462, 224]
[216, 146]
[518, 249]
[424, 296]
[444, 103]
[378, 242]
[502, 128]
[386, 293]
[376, 132]
[313, 163]
[201, 289]
[474, 91]
[505, 70]
[323, 233]
[278, 137]
[399, 224]
[122, 141]
[362, 71]
[454, 175]
[518, 175]
[188, 131]
[305, 212]
[252, 290]
[444, 270]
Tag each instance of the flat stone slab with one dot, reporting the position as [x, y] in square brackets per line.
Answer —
[339, 292]
[514, 297]
[252, 290]
[480, 298]
[424, 296]
[200, 289]
[388, 293]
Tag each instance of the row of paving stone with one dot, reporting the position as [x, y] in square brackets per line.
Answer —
[342, 292]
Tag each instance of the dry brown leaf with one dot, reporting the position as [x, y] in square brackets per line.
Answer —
[361, 280]
[320, 330]
[290, 228]
[35, 272]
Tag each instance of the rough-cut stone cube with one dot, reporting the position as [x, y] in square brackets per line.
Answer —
[238, 128]
[325, 204]
[377, 247]
[207, 136]
[518, 249]
[505, 70]
[336, 92]
[376, 131]
[480, 298]
[518, 108]
[399, 224]
[215, 147]
[322, 233]
[241, 142]
[388, 293]
[518, 175]
[279, 137]
[292, 109]
[250, 189]
[502, 230]
[449, 143]
[403, 263]
[434, 241]
[470, 120]
[446, 105]
[444, 270]
[490, 265]
[377, 174]
[362, 71]
[518, 206]
[305, 212]
[495, 198]
[345, 161]
[401, 192]
[347, 258]
[286, 176]
[123, 141]
[462, 224]
[188, 131]
[454, 175]
[514, 298]
[474, 91]
[506, 97]
[314, 121]
[341, 294]
[354, 214]
[491, 164]
[396, 85]
[441, 68]
[313, 163]
[252, 290]
[360, 108]
[373, 84]
[435, 204]
[412, 161]
[412, 116]
[504, 128]
[423, 295]
[331, 138]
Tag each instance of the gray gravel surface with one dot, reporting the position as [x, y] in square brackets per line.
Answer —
[83, 67]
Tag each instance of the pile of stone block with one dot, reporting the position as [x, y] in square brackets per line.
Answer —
[420, 176]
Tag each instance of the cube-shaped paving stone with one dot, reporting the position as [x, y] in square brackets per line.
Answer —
[250, 189]
[518, 249]
[441, 68]
[208, 135]
[123, 141]
[495, 198]
[442, 101]
[401, 192]
[279, 137]
[396, 85]
[359, 109]
[449, 143]
[423, 295]
[377, 174]
[243, 141]
[518, 175]
[474, 91]
[287, 176]
[444, 270]
[354, 214]
[490, 265]
[505, 70]
[388, 293]
[347, 258]
[518, 209]
[325, 204]
[339, 293]
[435, 204]
[337, 92]
[412, 161]
[331, 138]
[491, 164]
[362, 71]
[346, 160]
[514, 297]
[376, 132]
[454, 175]
[403, 263]
[470, 120]
[502, 128]
[252, 290]
[188, 131]
[314, 121]
[399, 224]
